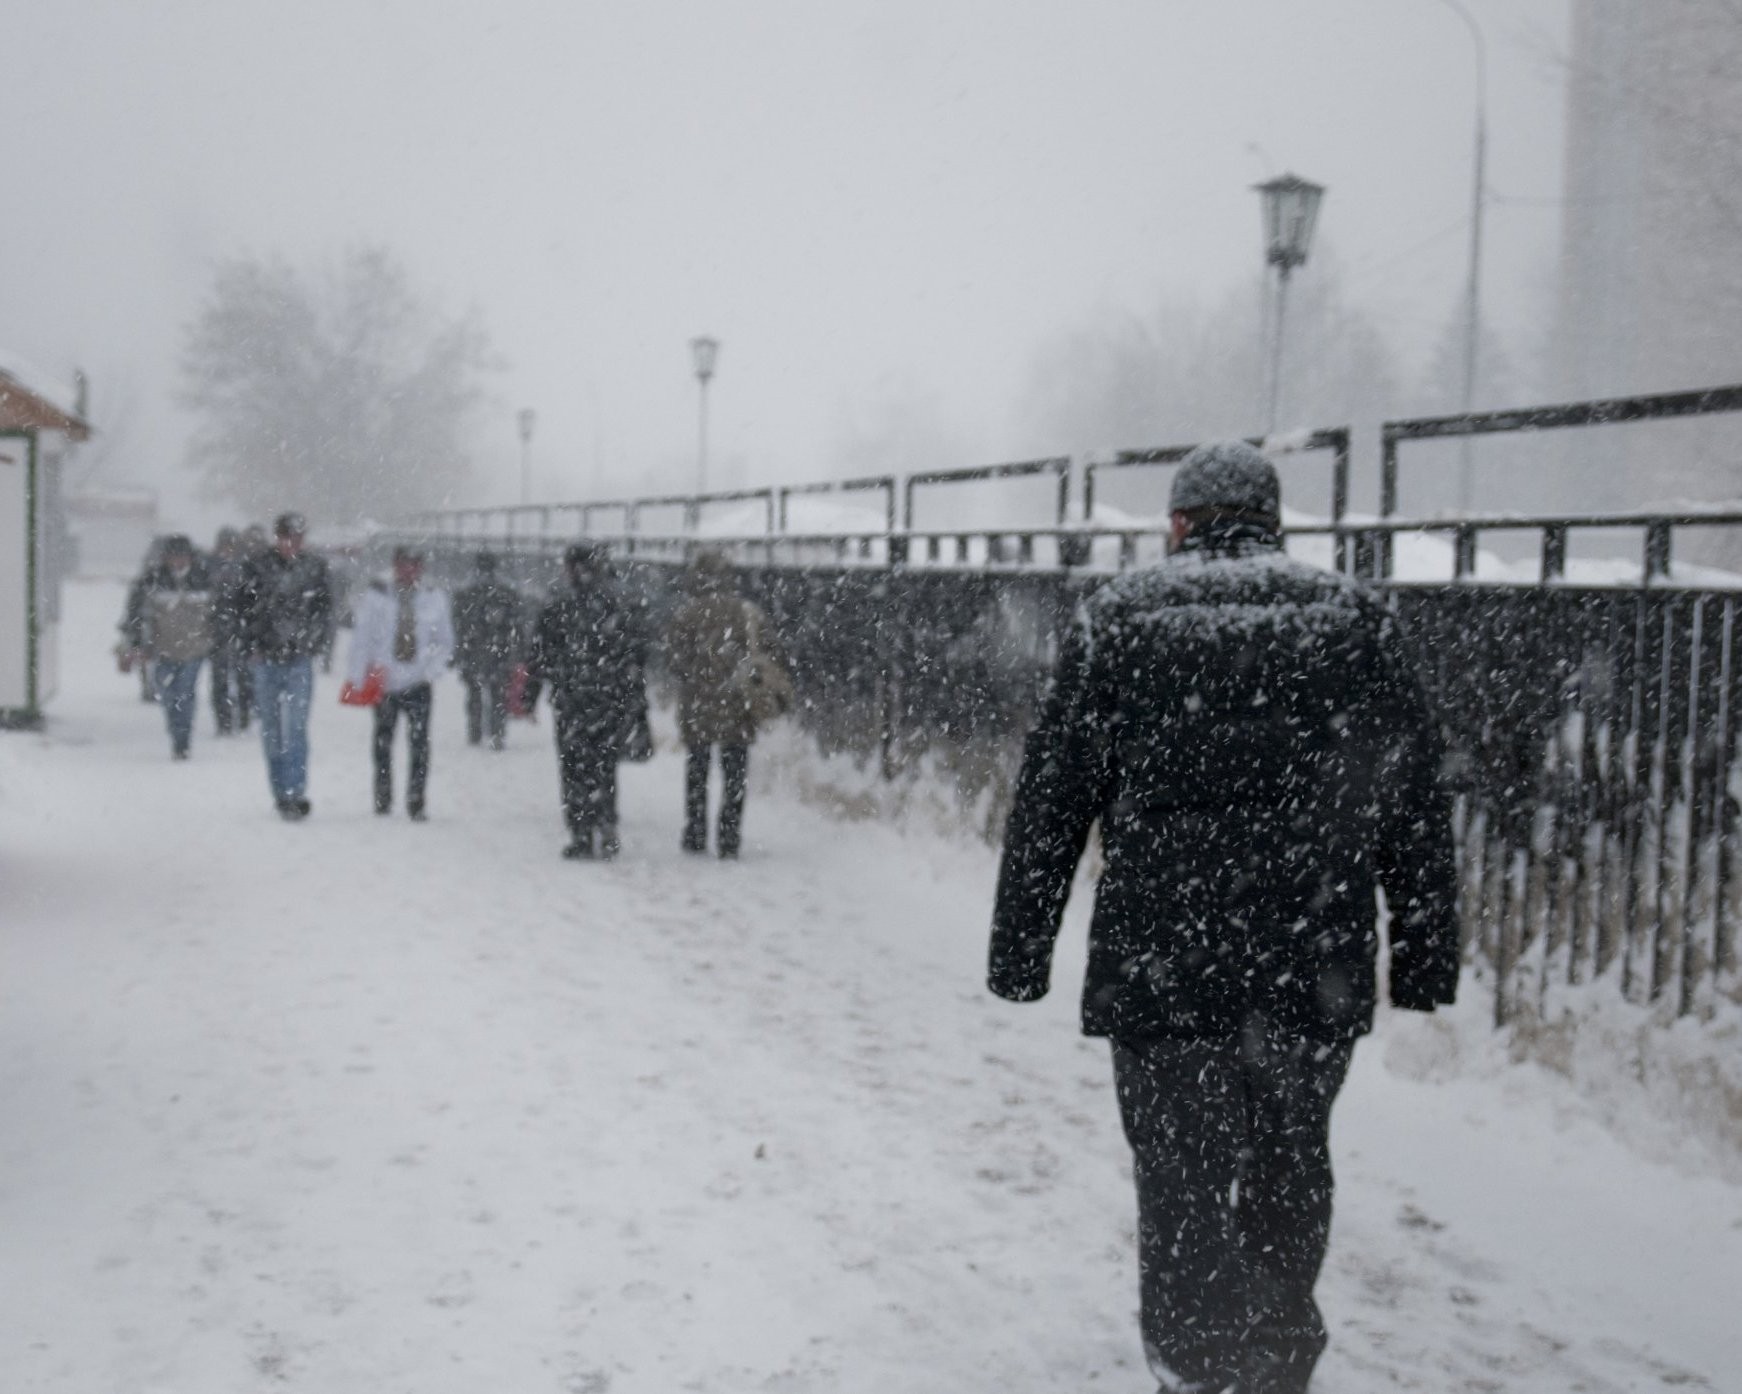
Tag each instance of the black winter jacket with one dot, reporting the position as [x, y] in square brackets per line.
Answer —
[487, 629]
[285, 607]
[229, 602]
[590, 648]
[1248, 732]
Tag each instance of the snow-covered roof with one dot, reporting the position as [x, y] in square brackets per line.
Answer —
[31, 399]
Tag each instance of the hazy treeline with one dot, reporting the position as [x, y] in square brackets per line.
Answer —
[338, 391]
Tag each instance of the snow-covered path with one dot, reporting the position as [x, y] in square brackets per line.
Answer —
[362, 1105]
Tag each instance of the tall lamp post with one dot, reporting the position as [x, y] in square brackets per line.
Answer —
[1291, 211]
[703, 351]
[528, 418]
[1473, 291]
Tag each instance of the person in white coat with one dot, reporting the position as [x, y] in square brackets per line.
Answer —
[406, 632]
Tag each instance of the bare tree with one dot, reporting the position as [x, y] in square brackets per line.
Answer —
[1187, 372]
[341, 394]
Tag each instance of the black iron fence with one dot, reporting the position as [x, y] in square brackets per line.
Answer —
[1593, 726]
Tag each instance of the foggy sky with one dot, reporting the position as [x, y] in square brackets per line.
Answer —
[865, 202]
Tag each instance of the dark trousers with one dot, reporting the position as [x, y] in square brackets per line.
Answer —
[414, 703]
[587, 762]
[734, 766]
[1231, 1138]
[486, 697]
[232, 689]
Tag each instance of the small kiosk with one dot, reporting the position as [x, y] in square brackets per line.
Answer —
[29, 594]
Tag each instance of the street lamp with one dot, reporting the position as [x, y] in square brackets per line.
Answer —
[1473, 291]
[703, 351]
[528, 418]
[1291, 210]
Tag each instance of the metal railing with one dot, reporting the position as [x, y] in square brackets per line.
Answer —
[1594, 727]
[1057, 466]
[1335, 439]
[1606, 411]
[883, 483]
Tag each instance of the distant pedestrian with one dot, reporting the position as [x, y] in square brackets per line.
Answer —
[133, 651]
[286, 608]
[407, 632]
[589, 652]
[232, 680]
[176, 615]
[1250, 737]
[489, 643]
[728, 681]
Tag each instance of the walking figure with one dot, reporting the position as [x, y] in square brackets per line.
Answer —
[176, 618]
[232, 682]
[286, 607]
[589, 650]
[406, 632]
[728, 681]
[489, 643]
[1248, 732]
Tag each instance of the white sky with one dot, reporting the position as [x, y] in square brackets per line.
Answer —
[865, 202]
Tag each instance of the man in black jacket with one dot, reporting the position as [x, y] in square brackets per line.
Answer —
[589, 648]
[285, 605]
[232, 680]
[1249, 735]
[487, 632]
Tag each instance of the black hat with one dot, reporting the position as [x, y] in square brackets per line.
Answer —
[178, 544]
[1230, 475]
[290, 525]
[485, 562]
[407, 554]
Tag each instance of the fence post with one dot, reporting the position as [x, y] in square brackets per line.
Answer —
[1463, 552]
[1387, 499]
[1657, 548]
[1554, 552]
[1366, 554]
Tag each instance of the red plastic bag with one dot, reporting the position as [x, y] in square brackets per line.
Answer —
[374, 688]
[516, 694]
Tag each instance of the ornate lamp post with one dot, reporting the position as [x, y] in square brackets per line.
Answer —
[1291, 211]
[527, 418]
[703, 351]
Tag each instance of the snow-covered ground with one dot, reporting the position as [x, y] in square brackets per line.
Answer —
[360, 1105]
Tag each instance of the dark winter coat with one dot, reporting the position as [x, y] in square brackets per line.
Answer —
[229, 589]
[488, 640]
[707, 647]
[1248, 732]
[286, 607]
[132, 624]
[589, 649]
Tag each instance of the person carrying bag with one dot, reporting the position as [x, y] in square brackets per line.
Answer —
[729, 683]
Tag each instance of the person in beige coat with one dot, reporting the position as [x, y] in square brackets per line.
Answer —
[728, 680]
[176, 630]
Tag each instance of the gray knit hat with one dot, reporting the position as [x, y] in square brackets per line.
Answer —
[1227, 474]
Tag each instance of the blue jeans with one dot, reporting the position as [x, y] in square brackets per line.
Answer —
[175, 682]
[282, 693]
